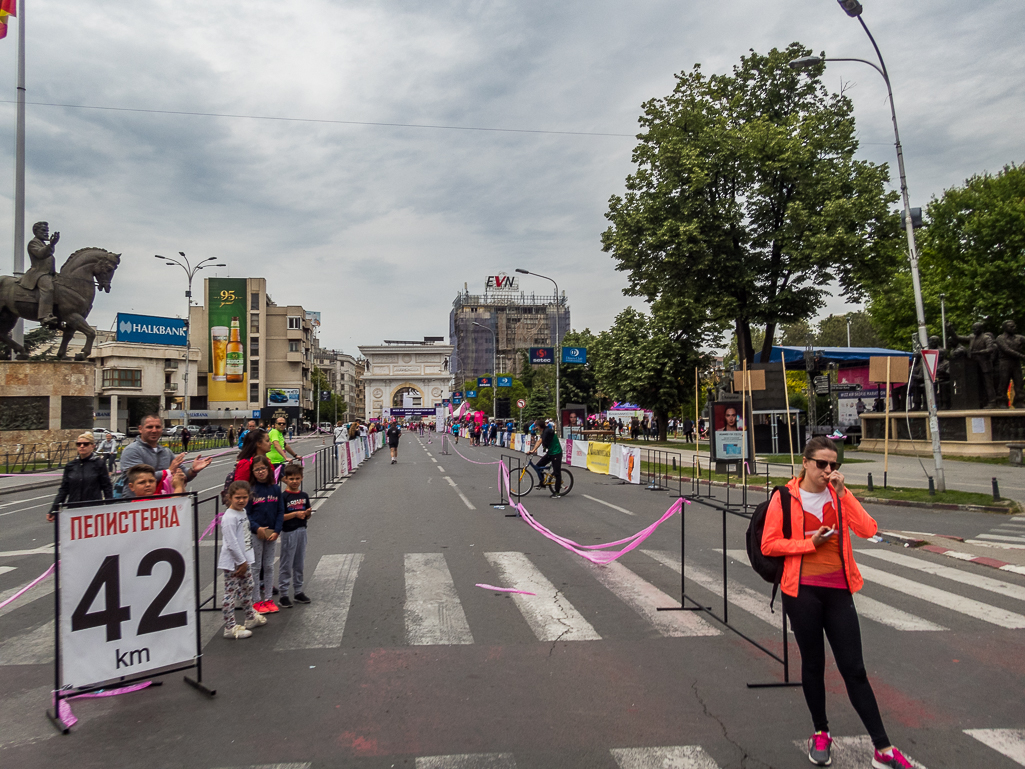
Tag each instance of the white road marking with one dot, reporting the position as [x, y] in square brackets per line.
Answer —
[676, 757]
[1009, 742]
[877, 611]
[607, 504]
[441, 468]
[34, 647]
[462, 496]
[851, 752]
[468, 761]
[41, 590]
[948, 572]
[23, 501]
[1001, 538]
[960, 604]
[43, 550]
[549, 614]
[433, 613]
[305, 765]
[4, 570]
[644, 598]
[1004, 545]
[321, 625]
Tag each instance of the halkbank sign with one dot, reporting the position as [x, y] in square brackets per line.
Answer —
[147, 329]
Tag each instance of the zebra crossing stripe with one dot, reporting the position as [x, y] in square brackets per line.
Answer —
[675, 757]
[1001, 538]
[1009, 742]
[4, 570]
[321, 624]
[644, 598]
[852, 752]
[548, 613]
[433, 613]
[468, 761]
[869, 608]
[947, 572]
[957, 603]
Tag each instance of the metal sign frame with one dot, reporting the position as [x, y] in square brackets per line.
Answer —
[60, 692]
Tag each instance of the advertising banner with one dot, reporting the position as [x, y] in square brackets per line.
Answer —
[228, 330]
[283, 396]
[471, 393]
[580, 453]
[575, 418]
[483, 381]
[147, 329]
[127, 597]
[503, 381]
[598, 457]
[542, 355]
[291, 414]
[729, 438]
[574, 355]
[631, 467]
[616, 461]
[567, 451]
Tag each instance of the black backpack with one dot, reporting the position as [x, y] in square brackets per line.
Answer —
[769, 567]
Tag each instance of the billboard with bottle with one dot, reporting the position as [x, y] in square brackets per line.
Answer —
[226, 303]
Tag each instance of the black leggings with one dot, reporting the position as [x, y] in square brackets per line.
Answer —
[555, 460]
[828, 609]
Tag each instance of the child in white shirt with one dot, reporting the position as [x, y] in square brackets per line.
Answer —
[236, 559]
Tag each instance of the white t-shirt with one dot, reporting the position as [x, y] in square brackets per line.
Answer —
[812, 502]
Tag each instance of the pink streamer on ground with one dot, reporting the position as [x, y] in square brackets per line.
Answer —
[28, 587]
[64, 709]
[472, 462]
[631, 542]
[503, 589]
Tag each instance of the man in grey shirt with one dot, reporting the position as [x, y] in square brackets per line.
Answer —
[146, 450]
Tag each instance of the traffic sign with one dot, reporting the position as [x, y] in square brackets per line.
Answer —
[521, 403]
[931, 359]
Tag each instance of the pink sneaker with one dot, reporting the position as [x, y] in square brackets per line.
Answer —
[893, 760]
[269, 607]
[818, 749]
[260, 607]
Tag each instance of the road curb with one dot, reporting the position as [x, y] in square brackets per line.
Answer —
[902, 540]
[981, 560]
[938, 505]
[30, 486]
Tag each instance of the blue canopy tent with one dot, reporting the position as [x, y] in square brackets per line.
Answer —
[834, 354]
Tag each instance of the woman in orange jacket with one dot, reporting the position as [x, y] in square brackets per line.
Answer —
[820, 578]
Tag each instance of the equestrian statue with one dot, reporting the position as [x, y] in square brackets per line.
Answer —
[56, 300]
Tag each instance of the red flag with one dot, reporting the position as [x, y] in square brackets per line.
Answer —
[9, 6]
[3, 25]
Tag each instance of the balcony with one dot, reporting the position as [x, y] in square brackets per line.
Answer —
[294, 357]
[170, 387]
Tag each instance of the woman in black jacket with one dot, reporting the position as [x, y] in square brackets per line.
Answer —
[85, 477]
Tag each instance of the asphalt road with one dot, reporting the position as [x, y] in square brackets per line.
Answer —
[402, 661]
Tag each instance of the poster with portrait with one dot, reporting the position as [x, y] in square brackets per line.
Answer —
[575, 417]
[730, 441]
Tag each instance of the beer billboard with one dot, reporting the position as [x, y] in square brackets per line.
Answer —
[228, 325]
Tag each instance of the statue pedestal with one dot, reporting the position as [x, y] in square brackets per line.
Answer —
[964, 433]
[45, 401]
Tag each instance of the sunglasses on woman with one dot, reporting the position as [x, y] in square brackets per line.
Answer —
[83, 443]
[823, 464]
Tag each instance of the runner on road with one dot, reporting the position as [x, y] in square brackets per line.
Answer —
[820, 578]
[393, 434]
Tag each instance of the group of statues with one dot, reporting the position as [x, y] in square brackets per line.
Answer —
[974, 371]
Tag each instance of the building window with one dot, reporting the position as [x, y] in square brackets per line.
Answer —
[254, 369]
[293, 346]
[254, 323]
[254, 393]
[201, 381]
[294, 322]
[254, 347]
[122, 377]
[254, 301]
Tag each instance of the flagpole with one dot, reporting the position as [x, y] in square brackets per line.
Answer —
[19, 169]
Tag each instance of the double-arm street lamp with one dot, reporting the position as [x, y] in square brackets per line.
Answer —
[558, 340]
[494, 367]
[853, 9]
[190, 271]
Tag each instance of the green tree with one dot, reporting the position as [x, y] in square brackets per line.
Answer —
[833, 331]
[578, 383]
[648, 360]
[972, 249]
[38, 337]
[748, 202]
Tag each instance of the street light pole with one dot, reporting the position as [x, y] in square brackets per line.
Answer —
[494, 369]
[558, 339]
[190, 271]
[853, 9]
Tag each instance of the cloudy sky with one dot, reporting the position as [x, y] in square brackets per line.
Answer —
[378, 226]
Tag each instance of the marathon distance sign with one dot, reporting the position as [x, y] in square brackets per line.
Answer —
[542, 355]
[127, 590]
[148, 329]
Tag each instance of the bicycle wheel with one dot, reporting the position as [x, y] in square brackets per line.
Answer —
[567, 482]
[521, 485]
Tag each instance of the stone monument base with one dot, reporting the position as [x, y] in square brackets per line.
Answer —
[969, 433]
[45, 401]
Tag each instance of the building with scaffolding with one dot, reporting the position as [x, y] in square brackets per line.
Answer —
[511, 319]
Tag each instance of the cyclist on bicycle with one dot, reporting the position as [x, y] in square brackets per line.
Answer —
[553, 454]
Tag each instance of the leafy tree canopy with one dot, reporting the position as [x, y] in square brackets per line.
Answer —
[972, 249]
[747, 201]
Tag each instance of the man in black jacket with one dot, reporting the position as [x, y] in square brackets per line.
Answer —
[85, 477]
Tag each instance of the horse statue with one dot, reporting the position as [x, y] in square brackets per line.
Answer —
[74, 288]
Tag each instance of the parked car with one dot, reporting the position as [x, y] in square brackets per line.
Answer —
[212, 430]
[100, 434]
[175, 431]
